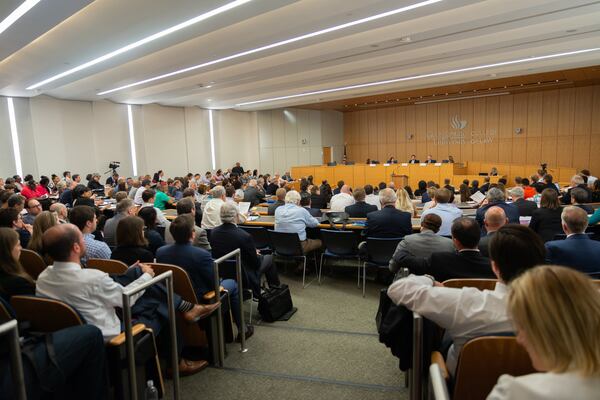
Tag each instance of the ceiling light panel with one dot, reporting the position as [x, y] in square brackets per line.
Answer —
[16, 14]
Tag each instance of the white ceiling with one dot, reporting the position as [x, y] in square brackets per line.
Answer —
[57, 35]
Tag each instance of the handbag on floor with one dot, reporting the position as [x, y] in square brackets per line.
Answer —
[275, 303]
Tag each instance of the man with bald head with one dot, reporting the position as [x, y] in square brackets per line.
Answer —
[494, 219]
[61, 211]
[343, 199]
[253, 193]
[280, 193]
[577, 250]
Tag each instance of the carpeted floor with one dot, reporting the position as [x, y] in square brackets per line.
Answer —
[328, 350]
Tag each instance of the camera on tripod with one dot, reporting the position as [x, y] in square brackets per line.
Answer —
[113, 165]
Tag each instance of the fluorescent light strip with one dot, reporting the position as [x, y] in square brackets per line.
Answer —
[461, 98]
[14, 135]
[143, 41]
[276, 44]
[414, 77]
[132, 139]
[17, 13]
[212, 139]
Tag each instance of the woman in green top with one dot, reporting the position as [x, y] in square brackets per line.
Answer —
[162, 199]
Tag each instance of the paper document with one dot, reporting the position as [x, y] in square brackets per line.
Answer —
[244, 206]
[477, 197]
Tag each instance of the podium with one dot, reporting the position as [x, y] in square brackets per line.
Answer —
[400, 181]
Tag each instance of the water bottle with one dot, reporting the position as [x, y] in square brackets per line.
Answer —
[151, 391]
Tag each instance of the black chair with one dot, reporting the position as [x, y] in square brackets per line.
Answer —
[379, 252]
[340, 245]
[563, 236]
[594, 275]
[287, 245]
[260, 236]
[227, 271]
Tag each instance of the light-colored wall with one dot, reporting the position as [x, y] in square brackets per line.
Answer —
[83, 137]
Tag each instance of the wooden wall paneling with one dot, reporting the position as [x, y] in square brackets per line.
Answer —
[505, 117]
[519, 154]
[455, 149]
[583, 111]
[519, 150]
[596, 112]
[343, 173]
[505, 150]
[421, 131]
[564, 155]
[594, 165]
[390, 130]
[534, 114]
[478, 129]
[550, 126]
[373, 137]
[431, 131]
[400, 128]
[566, 112]
[322, 173]
[581, 151]
[411, 130]
[534, 150]
[381, 136]
[466, 114]
[359, 175]
[443, 124]
[375, 174]
[492, 105]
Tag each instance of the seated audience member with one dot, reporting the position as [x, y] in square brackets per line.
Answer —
[448, 186]
[95, 294]
[132, 246]
[595, 191]
[465, 262]
[317, 200]
[148, 197]
[496, 197]
[186, 206]
[124, 209]
[360, 208]
[388, 222]
[404, 203]
[556, 314]
[465, 193]
[305, 202]
[10, 218]
[447, 211]
[576, 182]
[253, 194]
[338, 189]
[371, 198]
[34, 208]
[468, 312]
[152, 235]
[413, 160]
[548, 183]
[44, 221]
[29, 190]
[280, 194]
[85, 219]
[486, 185]
[430, 159]
[580, 196]
[145, 185]
[293, 218]
[422, 189]
[272, 186]
[83, 196]
[525, 207]
[61, 211]
[228, 237]
[229, 196]
[341, 200]
[422, 244]
[4, 196]
[546, 221]
[494, 219]
[429, 195]
[161, 198]
[13, 278]
[577, 250]
[95, 185]
[528, 190]
[191, 193]
[325, 190]
[198, 264]
[211, 215]
[66, 197]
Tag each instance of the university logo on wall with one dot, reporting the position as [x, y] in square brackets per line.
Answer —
[457, 123]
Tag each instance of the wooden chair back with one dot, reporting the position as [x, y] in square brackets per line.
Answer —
[482, 361]
[32, 262]
[45, 315]
[115, 267]
[481, 284]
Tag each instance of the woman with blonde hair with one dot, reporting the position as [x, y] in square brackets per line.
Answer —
[13, 278]
[556, 314]
[44, 221]
[404, 203]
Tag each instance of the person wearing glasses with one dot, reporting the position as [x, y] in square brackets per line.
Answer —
[34, 208]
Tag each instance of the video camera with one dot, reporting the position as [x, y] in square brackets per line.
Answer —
[113, 165]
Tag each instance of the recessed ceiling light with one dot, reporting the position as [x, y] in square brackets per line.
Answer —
[17, 13]
[148, 39]
[414, 77]
[276, 44]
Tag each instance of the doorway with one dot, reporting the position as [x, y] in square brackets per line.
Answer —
[326, 155]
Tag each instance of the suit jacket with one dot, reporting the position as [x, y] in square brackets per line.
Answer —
[197, 262]
[238, 170]
[588, 209]
[254, 196]
[450, 188]
[130, 254]
[432, 161]
[421, 244]
[360, 209]
[201, 239]
[12, 285]
[228, 237]
[526, 207]
[451, 265]
[577, 251]
[315, 212]
[511, 211]
[484, 244]
[388, 223]
[484, 188]
[318, 201]
[271, 188]
[273, 207]
[413, 161]
[546, 223]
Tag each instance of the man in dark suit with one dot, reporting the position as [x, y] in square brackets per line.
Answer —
[238, 169]
[580, 196]
[577, 251]
[413, 160]
[465, 262]
[525, 207]
[305, 202]
[253, 194]
[430, 160]
[494, 219]
[280, 193]
[198, 264]
[448, 186]
[338, 189]
[228, 237]
[360, 208]
[389, 222]
[486, 185]
[495, 197]
[576, 181]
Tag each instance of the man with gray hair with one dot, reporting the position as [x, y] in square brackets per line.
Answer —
[388, 222]
[124, 208]
[253, 193]
[496, 197]
[577, 251]
[494, 219]
[229, 237]
[580, 196]
[576, 182]
[525, 207]
[293, 218]
[211, 215]
[61, 211]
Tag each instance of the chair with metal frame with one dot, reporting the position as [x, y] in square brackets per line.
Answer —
[260, 236]
[438, 389]
[379, 253]
[114, 267]
[286, 245]
[32, 262]
[227, 271]
[340, 245]
[11, 329]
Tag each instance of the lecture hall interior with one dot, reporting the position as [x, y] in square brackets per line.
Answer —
[292, 199]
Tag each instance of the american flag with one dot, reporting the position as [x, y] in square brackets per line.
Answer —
[344, 159]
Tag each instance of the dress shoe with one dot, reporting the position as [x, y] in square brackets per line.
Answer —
[188, 367]
[200, 311]
[249, 332]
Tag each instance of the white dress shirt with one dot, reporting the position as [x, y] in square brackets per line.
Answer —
[548, 386]
[340, 201]
[211, 214]
[92, 292]
[137, 199]
[373, 199]
[465, 313]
